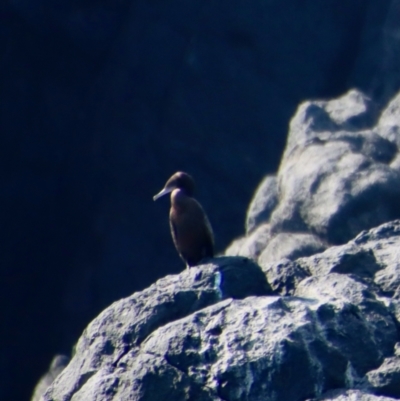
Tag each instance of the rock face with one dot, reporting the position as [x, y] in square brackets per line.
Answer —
[350, 395]
[324, 328]
[339, 175]
[386, 379]
[57, 365]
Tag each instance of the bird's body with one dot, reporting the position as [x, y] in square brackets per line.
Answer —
[190, 228]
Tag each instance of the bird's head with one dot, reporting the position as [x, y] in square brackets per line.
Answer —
[179, 180]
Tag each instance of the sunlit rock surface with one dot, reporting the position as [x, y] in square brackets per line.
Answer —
[230, 330]
[339, 175]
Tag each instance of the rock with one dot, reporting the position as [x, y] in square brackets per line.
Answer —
[352, 112]
[338, 176]
[345, 183]
[350, 395]
[328, 118]
[367, 330]
[388, 126]
[285, 275]
[57, 365]
[348, 258]
[209, 87]
[290, 246]
[252, 245]
[234, 247]
[127, 323]
[371, 256]
[376, 235]
[263, 203]
[270, 340]
[240, 277]
[216, 332]
[384, 241]
[385, 380]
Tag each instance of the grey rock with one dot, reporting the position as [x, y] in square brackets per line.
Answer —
[239, 277]
[290, 246]
[335, 182]
[339, 175]
[384, 241]
[367, 330]
[387, 232]
[372, 256]
[215, 332]
[270, 340]
[252, 245]
[206, 86]
[57, 365]
[285, 275]
[127, 323]
[351, 112]
[394, 307]
[348, 258]
[388, 279]
[388, 126]
[263, 203]
[350, 395]
[331, 117]
[386, 379]
[234, 248]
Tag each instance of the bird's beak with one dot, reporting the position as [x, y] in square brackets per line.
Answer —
[163, 192]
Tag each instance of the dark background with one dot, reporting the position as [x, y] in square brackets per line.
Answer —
[102, 100]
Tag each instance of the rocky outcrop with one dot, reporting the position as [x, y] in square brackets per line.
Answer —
[338, 176]
[324, 327]
[125, 329]
[102, 100]
[351, 395]
[321, 316]
[57, 365]
[386, 379]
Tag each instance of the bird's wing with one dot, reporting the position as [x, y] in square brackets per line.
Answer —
[209, 244]
[174, 231]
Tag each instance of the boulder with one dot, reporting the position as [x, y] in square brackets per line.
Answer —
[320, 327]
[385, 380]
[339, 175]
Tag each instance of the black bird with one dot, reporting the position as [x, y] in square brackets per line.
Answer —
[190, 228]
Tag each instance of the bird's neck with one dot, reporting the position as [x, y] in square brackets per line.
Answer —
[178, 197]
